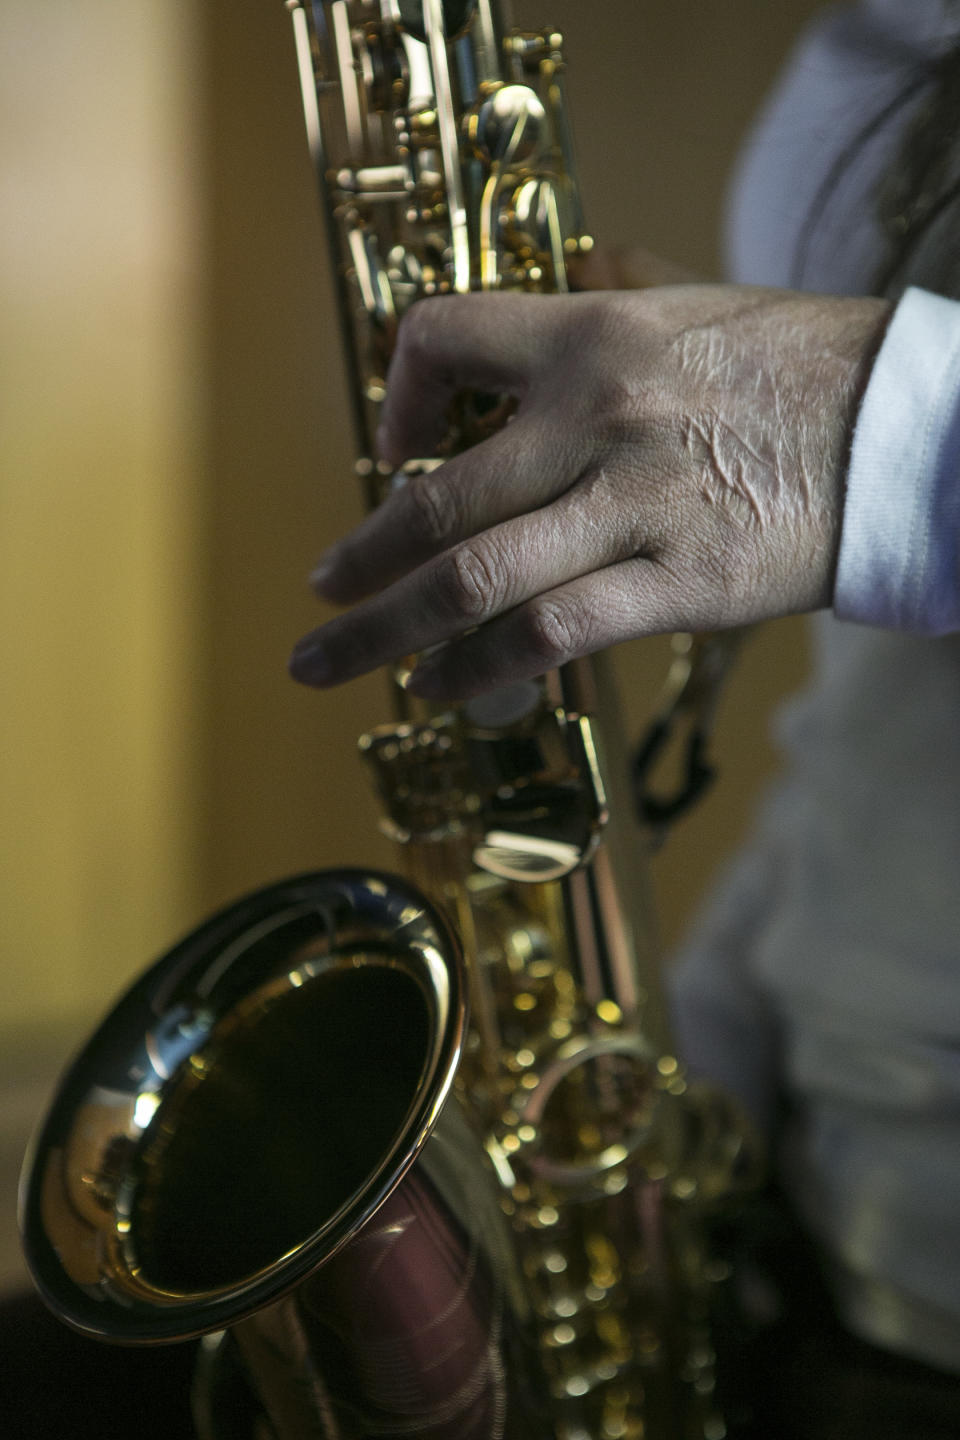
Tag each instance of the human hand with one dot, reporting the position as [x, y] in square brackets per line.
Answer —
[675, 462]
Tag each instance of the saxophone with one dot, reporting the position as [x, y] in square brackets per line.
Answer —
[415, 1156]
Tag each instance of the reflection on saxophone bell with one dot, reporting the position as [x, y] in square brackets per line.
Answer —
[416, 1155]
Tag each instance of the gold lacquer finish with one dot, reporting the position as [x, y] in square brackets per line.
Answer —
[512, 810]
[415, 1222]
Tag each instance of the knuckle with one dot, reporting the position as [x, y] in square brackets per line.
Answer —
[558, 628]
[432, 510]
[470, 582]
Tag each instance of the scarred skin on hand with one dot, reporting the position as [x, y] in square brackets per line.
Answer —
[676, 462]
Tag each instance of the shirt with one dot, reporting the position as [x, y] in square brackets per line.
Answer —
[828, 963]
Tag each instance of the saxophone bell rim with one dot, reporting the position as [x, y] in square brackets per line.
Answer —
[88, 1167]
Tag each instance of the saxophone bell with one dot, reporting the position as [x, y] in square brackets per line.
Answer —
[264, 1123]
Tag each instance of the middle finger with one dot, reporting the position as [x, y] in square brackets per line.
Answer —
[468, 585]
[518, 469]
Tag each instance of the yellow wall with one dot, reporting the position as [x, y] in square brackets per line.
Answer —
[99, 286]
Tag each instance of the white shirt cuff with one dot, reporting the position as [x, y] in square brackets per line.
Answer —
[899, 563]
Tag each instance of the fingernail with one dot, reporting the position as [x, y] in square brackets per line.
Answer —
[308, 663]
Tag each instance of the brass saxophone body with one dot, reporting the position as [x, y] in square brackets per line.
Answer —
[417, 1155]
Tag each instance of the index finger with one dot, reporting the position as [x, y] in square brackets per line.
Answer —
[445, 345]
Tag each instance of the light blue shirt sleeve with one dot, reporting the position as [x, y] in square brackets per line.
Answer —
[899, 563]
